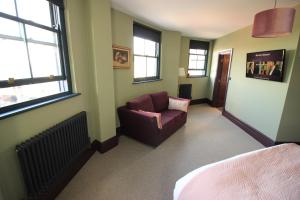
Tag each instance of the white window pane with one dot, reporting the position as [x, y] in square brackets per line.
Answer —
[192, 64]
[196, 72]
[200, 57]
[139, 45]
[200, 64]
[201, 51]
[14, 60]
[193, 51]
[44, 60]
[151, 67]
[193, 57]
[139, 67]
[13, 95]
[35, 10]
[34, 33]
[10, 28]
[8, 7]
[150, 48]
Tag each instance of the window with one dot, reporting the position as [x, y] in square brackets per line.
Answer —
[34, 64]
[146, 50]
[198, 56]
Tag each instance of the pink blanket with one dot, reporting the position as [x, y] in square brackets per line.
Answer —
[269, 174]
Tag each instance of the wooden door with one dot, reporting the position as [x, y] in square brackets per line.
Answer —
[221, 81]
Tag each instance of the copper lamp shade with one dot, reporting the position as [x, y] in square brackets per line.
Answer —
[273, 23]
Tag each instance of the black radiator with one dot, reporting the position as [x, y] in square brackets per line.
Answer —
[45, 157]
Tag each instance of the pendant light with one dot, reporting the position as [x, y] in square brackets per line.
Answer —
[274, 22]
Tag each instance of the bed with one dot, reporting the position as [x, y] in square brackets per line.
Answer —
[267, 174]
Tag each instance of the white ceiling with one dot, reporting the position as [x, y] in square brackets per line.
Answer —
[208, 19]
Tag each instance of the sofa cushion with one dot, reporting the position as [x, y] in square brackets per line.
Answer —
[160, 101]
[171, 117]
[178, 104]
[141, 103]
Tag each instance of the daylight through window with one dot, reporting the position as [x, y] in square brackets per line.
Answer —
[198, 56]
[146, 53]
[33, 51]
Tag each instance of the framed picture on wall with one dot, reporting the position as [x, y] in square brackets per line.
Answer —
[121, 57]
[266, 65]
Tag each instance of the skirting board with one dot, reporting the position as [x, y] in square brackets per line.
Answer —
[105, 146]
[279, 142]
[118, 131]
[260, 137]
[200, 101]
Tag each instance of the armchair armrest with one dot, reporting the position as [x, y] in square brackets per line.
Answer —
[138, 126]
[137, 120]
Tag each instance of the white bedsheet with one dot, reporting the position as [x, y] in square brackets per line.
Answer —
[253, 164]
[181, 183]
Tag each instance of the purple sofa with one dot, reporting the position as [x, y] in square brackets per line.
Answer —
[144, 128]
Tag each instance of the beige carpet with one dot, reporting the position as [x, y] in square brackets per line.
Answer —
[134, 171]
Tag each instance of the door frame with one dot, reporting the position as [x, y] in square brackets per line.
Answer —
[222, 52]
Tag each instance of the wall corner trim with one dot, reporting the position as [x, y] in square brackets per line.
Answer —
[105, 146]
[259, 136]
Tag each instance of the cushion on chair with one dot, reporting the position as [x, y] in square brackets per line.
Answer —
[141, 103]
[178, 104]
[171, 117]
[160, 101]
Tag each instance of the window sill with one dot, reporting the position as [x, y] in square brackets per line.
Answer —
[146, 81]
[196, 76]
[37, 105]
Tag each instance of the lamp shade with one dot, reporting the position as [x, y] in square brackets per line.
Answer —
[273, 22]
[181, 72]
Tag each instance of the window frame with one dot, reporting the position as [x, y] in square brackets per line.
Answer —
[157, 48]
[198, 45]
[64, 61]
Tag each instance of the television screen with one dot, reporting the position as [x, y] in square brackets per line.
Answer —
[267, 65]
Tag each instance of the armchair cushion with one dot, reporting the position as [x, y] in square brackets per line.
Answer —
[141, 103]
[178, 104]
[171, 116]
[160, 101]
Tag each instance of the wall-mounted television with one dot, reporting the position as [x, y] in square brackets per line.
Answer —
[266, 65]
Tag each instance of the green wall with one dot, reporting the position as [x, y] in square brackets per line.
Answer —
[1, 196]
[101, 44]
[122, 35]
[259, 103]
[199, 85]
[289, 129]
[97, 91]
[170, 61]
